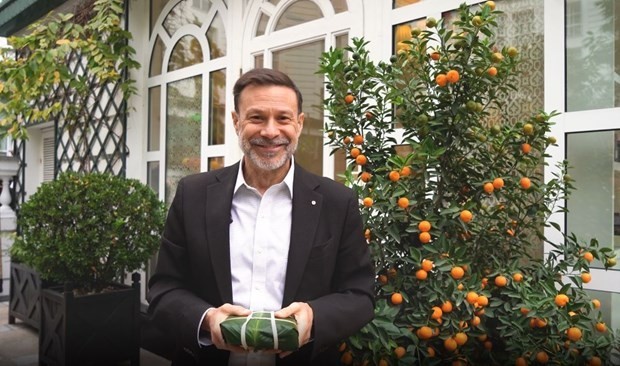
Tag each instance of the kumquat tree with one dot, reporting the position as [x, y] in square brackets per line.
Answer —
[455, 202]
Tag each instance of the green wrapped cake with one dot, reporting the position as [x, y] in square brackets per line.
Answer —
[261, 330]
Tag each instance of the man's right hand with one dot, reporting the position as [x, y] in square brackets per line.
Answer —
[211, 323]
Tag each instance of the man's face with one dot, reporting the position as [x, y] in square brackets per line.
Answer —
[268, 126]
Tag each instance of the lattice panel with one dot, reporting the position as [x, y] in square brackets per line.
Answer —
[18, 190]
[90, 128]
[91, 137]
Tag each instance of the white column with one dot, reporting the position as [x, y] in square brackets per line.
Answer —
[8, 219]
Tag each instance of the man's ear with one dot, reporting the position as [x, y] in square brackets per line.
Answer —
[300, 121]
[235, 118]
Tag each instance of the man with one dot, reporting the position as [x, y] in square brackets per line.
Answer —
[263, 234]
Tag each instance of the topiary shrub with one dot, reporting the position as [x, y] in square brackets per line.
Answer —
[88, 230]
[453, 201]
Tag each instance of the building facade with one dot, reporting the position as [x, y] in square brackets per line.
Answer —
[192, 51]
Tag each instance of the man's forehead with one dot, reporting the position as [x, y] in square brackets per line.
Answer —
[268, 107]
[265, 97]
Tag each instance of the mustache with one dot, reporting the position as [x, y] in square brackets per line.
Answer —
[270, 142]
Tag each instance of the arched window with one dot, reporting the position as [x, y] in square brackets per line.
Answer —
[186, 90]
[297, 13]
[291, 36]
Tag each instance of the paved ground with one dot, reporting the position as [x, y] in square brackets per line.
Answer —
[19, 344]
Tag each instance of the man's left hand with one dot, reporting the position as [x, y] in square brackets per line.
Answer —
[304, 316]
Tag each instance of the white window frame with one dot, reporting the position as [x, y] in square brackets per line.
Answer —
[570, 122]
[202, 69]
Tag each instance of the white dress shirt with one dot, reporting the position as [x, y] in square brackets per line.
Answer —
[260, 234]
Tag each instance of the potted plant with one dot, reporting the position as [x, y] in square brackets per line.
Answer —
[87, 232]
[454, 205]
[67, 69]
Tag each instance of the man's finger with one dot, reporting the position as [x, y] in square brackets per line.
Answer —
[287, 311]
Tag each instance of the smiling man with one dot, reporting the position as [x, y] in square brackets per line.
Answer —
[262, 235]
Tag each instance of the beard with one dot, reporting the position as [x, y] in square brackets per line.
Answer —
[269, 161]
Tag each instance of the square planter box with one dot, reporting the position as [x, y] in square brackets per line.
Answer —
[101, 328]
[24, 295]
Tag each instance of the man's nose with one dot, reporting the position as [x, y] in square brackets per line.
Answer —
[270, 128]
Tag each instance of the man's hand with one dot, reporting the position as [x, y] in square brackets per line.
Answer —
[304, 316]
[211, 323]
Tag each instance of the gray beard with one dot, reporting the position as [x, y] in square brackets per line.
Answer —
[267, 163]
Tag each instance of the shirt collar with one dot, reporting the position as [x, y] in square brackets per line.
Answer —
[288, 179]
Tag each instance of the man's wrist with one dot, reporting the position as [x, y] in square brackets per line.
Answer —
[205, 320]
[203, 335]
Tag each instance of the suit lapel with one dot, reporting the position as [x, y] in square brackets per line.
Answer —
[218, 205]
[307, 205]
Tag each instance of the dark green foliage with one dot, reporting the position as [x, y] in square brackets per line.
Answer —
[450, 148]
[88, 230]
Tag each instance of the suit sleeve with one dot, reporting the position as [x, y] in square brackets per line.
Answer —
[351, 304]
[173, 305]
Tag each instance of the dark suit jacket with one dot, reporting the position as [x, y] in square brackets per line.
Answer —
[329, 264]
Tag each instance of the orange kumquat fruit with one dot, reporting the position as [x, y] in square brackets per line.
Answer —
[424, 226]
[453, 76]
[466, 216]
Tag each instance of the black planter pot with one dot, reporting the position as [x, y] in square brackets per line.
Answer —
[97, 329]
[24, 292]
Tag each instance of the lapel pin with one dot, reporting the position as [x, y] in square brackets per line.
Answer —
[313, 203]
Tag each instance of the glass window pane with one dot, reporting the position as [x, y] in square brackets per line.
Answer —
[5, 146]
[216, 162]
[156, 7]
[152, 175]
[342, 41]
[403, 150]
[298, 13]
[340, 157]
[154, 118]
[259, 61]
[610, 307]
[274, 2]
[217, 107]
[185, 53]
[216, 35]
[157, 58]
[400, 3]
[301, 63]
[340, 165]
[594, 206]
[183, 130]
[522, 27]
[261, 28]
[592, 54]
[203, 5]
[340, 6]
[402, 32]
[186, 12]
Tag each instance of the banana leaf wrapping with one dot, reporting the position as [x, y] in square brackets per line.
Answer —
[261, 331]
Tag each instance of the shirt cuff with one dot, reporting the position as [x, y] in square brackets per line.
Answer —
[203, 337]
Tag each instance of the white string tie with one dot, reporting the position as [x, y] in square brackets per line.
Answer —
[274, 331]
[243, 327]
